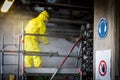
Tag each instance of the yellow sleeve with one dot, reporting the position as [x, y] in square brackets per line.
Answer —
[31, 27]
[43, 39]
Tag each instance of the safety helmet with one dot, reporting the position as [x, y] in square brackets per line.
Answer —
[44, 15]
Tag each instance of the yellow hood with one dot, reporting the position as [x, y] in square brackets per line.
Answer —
[44, 15]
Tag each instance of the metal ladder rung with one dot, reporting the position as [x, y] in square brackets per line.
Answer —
[9, 64]
[11, 54]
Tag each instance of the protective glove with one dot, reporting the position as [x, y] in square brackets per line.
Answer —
[44, 40]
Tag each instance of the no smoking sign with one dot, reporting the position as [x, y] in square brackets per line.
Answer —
[102, 68]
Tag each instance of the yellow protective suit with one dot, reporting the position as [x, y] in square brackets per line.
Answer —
[35, 26]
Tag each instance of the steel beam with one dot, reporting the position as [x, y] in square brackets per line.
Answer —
[56, 5]
[30, 53]
[46, 71]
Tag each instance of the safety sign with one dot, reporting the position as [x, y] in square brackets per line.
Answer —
[102, 70]
[102, 28]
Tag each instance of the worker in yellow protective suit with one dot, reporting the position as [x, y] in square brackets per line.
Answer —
[35, 26]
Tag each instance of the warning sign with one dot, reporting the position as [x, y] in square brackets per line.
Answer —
[102, 68]
[103, 65]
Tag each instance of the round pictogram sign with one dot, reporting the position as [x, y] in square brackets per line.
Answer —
[102, 68]
[102, 28]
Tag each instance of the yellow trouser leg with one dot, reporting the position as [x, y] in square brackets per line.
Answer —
[37, 61]
[28, 61]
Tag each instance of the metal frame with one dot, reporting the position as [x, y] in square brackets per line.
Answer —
[2, 58]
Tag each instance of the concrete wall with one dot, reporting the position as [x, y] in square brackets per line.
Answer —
[106, 9]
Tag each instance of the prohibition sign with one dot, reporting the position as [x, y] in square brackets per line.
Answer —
[102, 68]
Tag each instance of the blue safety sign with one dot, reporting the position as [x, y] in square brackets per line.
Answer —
[102, 28]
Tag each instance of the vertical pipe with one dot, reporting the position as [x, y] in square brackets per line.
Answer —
[2, 58]
[81, 60]
[18, 56]
[1, 67]
[23, 50]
